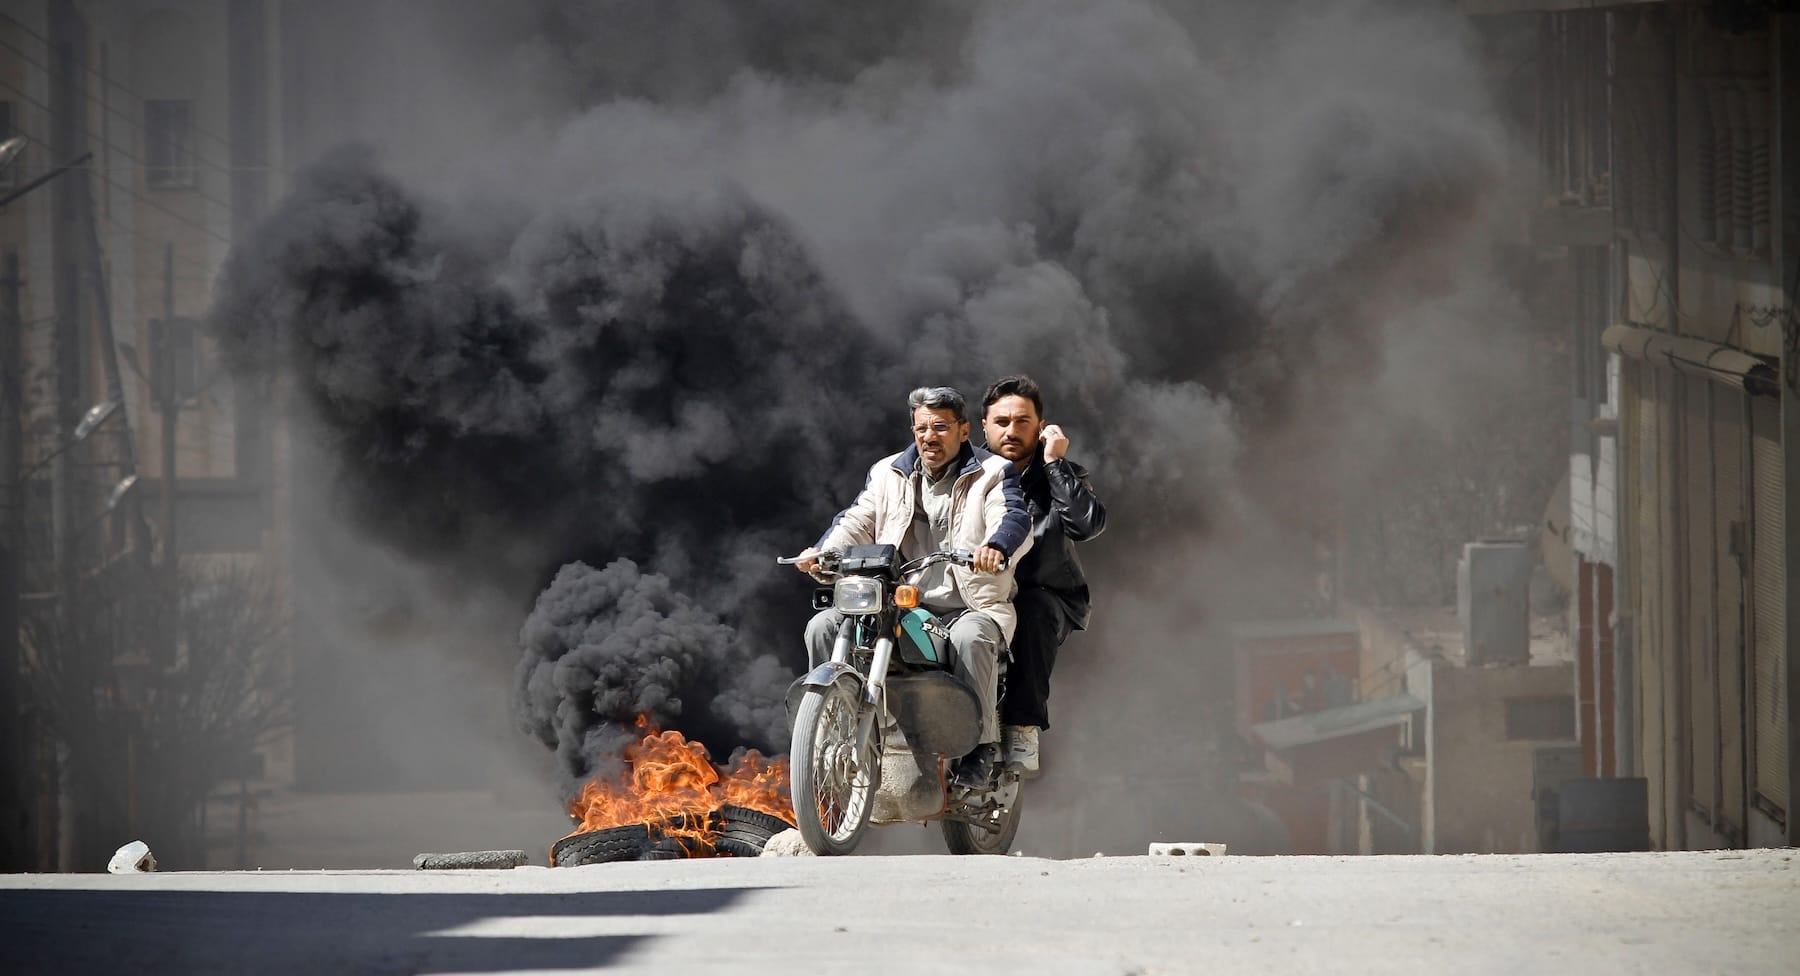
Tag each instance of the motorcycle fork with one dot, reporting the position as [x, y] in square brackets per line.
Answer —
[875, 690]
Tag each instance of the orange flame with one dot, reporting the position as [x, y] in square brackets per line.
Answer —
[673, 785]
[758, 784]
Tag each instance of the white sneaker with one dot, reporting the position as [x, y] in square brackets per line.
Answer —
[1022, 748]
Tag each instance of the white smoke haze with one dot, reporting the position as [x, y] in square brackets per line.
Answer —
[658, 298]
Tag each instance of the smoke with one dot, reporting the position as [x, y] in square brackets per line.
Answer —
[663, 313]
[604, 647]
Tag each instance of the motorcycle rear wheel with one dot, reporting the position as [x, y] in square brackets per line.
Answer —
[833, 781]
[994, 836]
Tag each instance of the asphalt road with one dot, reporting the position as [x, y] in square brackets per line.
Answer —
[1725, 912]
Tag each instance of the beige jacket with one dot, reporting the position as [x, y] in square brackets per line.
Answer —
[987, 508]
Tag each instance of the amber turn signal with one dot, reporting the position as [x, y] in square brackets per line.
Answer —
[906, 597]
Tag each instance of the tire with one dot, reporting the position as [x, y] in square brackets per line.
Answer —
[734, 843]
[626, 843]
[833, 788]
[743, 832]
[673, 849]
[729, 817]
[965, 838]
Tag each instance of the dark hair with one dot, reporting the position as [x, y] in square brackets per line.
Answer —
[1015, 385]
[937, 398]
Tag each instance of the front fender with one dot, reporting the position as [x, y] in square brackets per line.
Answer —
[823, 676]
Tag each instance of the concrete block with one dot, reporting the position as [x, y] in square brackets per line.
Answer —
[1187, 849]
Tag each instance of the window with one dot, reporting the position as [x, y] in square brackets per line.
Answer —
[1733, 176]
[174, 355]
[169, 143]
[1549, 718]
[8, 172]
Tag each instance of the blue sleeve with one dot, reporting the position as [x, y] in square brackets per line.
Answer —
[1015, 525]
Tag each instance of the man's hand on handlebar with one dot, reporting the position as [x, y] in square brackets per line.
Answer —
[809, 560]
[989, 560]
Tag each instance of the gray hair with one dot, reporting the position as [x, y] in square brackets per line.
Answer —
[937, 398]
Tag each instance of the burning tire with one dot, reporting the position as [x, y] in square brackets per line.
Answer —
[627, 843]
[675, 849]
[744, 832]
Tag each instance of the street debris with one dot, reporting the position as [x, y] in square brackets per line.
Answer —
[133, 858]
[788, 843]
[471, 860]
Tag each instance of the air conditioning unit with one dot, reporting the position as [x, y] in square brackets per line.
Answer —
[1493, 602]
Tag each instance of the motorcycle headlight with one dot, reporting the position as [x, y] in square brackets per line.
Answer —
[857, 594]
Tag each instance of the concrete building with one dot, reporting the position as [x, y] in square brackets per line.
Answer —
[156, 120]
[1669, 137]
[195, 113]
[1466, 768]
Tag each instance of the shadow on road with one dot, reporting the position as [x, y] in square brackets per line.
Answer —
[65, 931]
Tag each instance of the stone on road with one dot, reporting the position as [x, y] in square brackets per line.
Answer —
[1736, 912]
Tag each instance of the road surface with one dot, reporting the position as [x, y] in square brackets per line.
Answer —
[1728, 912]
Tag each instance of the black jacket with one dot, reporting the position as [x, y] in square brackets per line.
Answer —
[1064, 511]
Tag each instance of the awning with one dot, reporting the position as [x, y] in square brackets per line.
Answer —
[1336, 723]
[1735, 368]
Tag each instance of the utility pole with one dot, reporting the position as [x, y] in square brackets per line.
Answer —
[67, 38]
[170, 397]
[109, 365]
[15, 797]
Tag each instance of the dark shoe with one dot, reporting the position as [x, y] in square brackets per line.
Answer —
[976, 770]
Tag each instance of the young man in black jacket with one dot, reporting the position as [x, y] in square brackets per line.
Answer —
[1053, 592]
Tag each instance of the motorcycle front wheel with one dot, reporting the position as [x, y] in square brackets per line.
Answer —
[833, 780]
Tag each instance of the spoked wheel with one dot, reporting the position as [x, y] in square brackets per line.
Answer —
[833, 781]
[993, 831]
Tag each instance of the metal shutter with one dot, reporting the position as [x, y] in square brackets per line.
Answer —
[1730, 443]
[1769, 605]
[1693, 550]
[1645, 554]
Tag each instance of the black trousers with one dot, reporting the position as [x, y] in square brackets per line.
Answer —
[1042, 627]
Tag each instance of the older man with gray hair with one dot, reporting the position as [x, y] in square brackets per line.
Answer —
[943, 492]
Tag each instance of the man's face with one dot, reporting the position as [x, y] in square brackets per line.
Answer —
[939, 434]
[1012, 427]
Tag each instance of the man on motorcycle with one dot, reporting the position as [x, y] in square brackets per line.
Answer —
[943, 493]
[1052, 598]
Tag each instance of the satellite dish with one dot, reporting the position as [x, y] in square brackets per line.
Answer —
[10, 150]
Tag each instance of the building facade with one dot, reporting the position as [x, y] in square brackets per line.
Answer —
[1669, 140]
[150, 143]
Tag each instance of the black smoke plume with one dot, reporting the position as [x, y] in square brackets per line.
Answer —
[670, 381]
[604, 647]
[665, 319]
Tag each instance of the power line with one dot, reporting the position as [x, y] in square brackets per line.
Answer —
[112, 147]
[203, 274]
[82, 63]
[122, 116]
[133, 192]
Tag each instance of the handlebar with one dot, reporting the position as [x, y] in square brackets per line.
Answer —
[961, 557]
[829, 559]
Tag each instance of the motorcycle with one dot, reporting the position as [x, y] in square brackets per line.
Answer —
[876, 727]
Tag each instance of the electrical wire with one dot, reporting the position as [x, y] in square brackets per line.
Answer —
[114, 148]
[81, 62]
[106, 178]
[201, 158]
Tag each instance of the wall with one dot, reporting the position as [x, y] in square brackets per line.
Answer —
[1478, 792]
